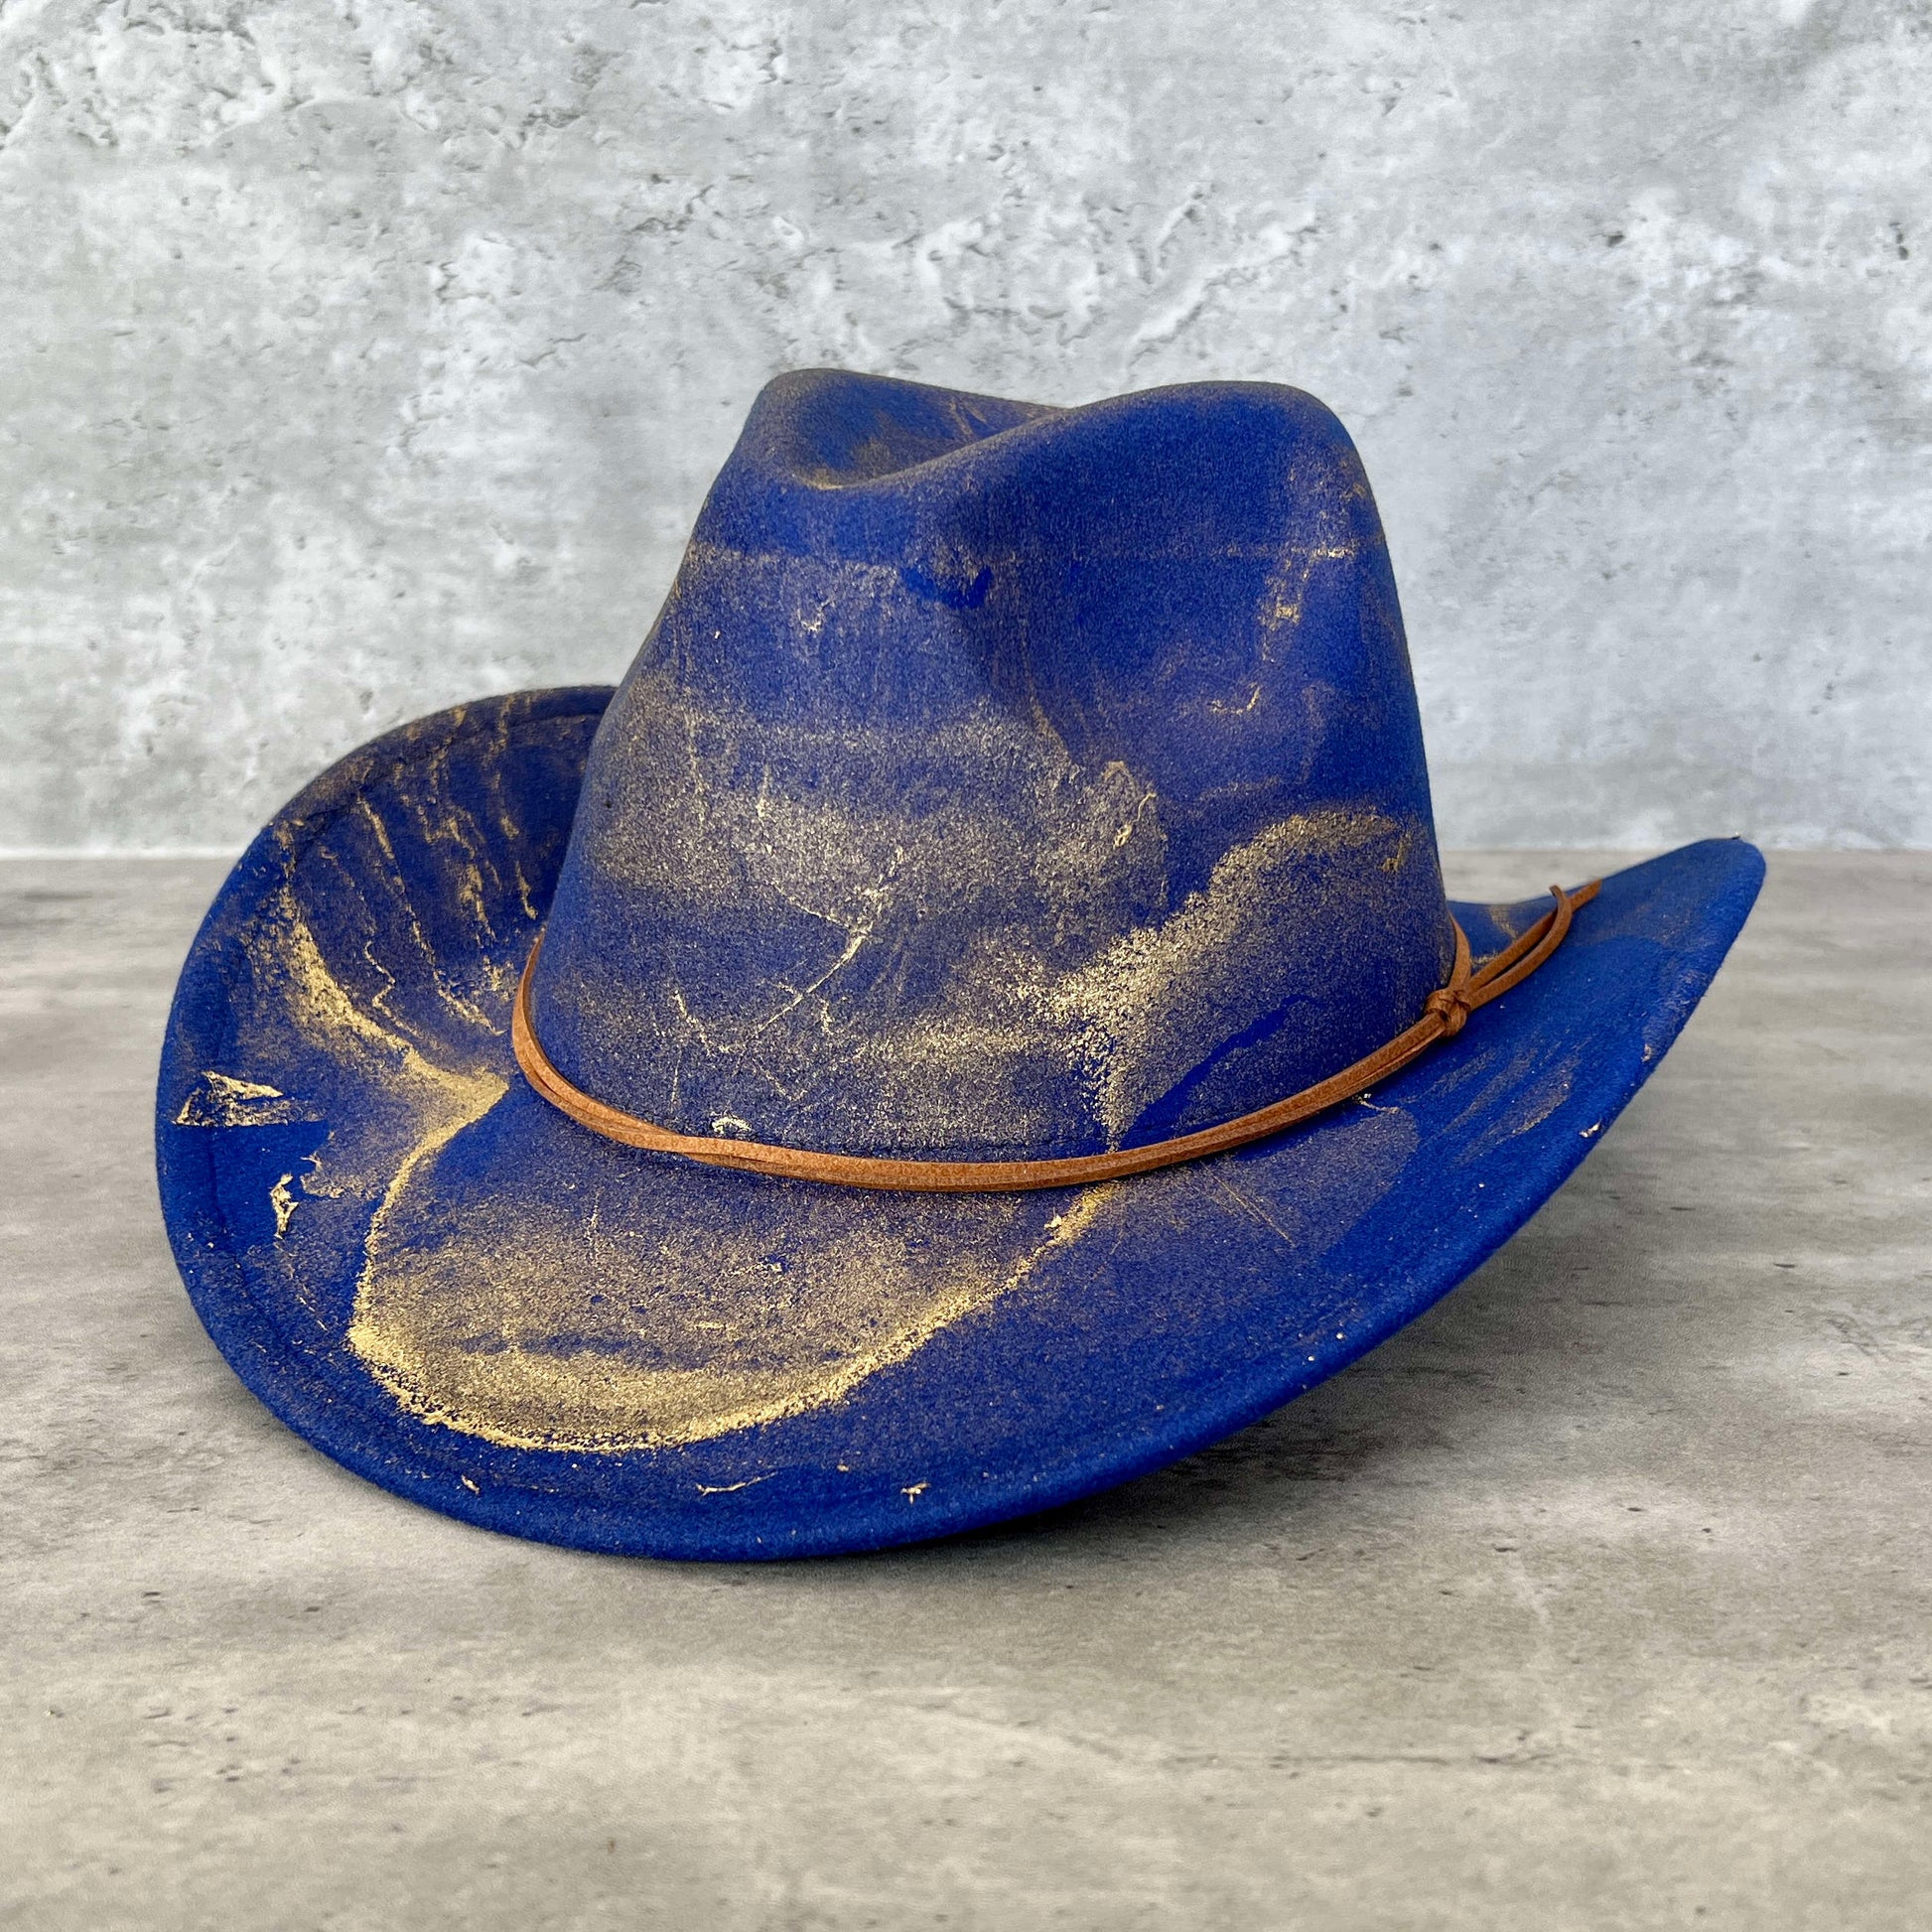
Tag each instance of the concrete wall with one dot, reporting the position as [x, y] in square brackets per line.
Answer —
[359, 357]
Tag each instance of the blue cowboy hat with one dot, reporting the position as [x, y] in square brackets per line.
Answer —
[830, 1090]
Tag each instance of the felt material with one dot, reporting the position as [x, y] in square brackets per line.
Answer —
[995, 782]
[422, 1267]
[1003, 783]
[1469, 988]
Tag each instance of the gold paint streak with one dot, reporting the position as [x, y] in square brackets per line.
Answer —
[443, 1100]
[226, 1083]
[593, 1402]
[221, 1100]
[1146, 1006]
[1289, 587]
[470, 891]
[469, 896]
[1222, 710]
[381, 831]
[512, 833]
[1245, 1203]
[284, 1203]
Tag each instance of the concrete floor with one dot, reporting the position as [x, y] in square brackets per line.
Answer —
[1600, 1597]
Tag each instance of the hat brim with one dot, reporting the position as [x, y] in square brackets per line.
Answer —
[455, 1292]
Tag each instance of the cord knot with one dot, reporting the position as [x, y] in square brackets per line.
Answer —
[1451, 1005]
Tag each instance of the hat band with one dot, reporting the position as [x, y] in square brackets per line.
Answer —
[1443, 1014]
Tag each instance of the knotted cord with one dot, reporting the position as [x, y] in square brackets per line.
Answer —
[1444, 1014]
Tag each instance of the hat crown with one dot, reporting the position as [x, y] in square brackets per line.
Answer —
[1002, 782]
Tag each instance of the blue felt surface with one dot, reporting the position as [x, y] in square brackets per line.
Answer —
[951, 696]
[996, 780]
[1209, 1294]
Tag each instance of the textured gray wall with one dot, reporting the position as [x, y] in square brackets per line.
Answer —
[362, 356]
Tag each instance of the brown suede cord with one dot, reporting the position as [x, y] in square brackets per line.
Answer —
[1444, 1017]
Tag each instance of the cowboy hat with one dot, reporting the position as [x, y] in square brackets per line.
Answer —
[973, 1017]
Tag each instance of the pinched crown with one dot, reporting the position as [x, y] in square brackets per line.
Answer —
[1002, 781]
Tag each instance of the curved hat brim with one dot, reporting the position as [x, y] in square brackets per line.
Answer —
[452, 1289]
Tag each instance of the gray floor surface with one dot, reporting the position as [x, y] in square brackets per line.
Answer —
[1598, 1597]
